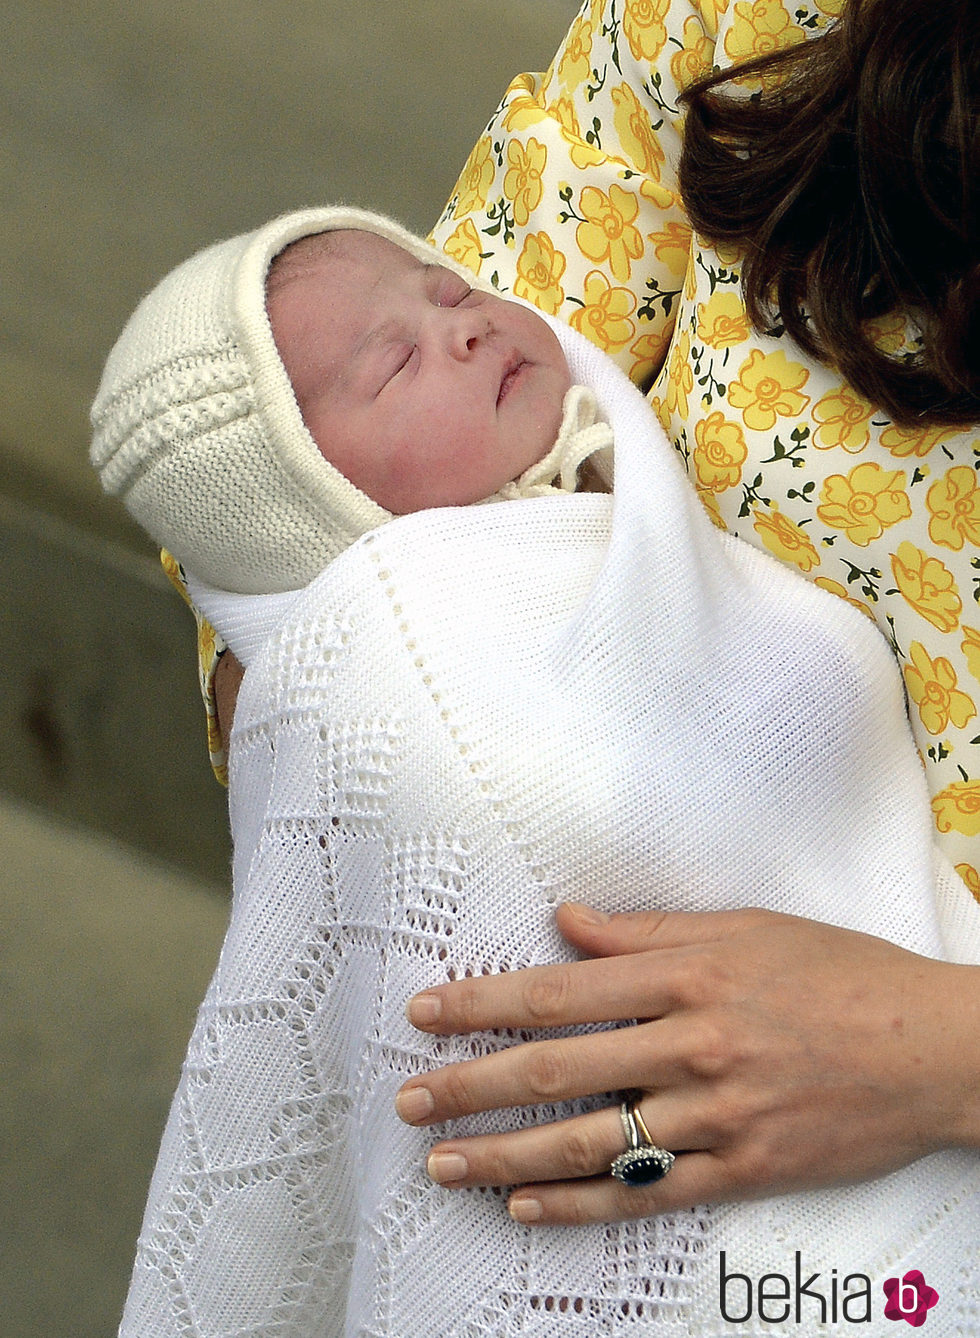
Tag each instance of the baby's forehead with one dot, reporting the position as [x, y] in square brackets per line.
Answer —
[367, 250]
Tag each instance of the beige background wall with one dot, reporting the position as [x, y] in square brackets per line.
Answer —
[132, 134]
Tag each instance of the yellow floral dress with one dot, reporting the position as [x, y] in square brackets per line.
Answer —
[569, 200]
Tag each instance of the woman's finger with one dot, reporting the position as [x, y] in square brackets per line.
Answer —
[663, 969]
[541, 1072]
[583, 1146]
[562, 995]
[696, 1178]
[643, 984]
[601, 935]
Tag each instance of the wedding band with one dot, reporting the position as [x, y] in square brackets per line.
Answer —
[641, 1124]
[643, 1162]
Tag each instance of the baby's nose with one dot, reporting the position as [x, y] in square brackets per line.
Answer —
[467, 328]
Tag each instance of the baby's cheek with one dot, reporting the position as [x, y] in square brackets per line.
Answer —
[417, 475]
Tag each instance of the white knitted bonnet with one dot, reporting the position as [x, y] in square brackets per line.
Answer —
[197, 429]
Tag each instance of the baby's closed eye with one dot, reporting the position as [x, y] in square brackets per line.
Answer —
[449, 289]
[402, 358]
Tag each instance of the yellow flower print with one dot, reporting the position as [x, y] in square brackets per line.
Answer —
[522, 181]
[206, 645]
[476, 177]
[888, 332]
[711, 12]
[722, 320]
[672, 246]
[174, 574]
[680, 375]
[845, 421]
[608, 232]
[972, 879]
[864, 502]
[760, 26]
[582, 154]
[215, 741]
[906, 441]
[970, 646]
[463, 244]
[522, 114]
[835, 588]
[171, 566]
[648, 354]
[691, 284]
[954, 508]
[634, 130]
[927, 585]
[605, 318]
[768, 387]
[696, 56]
[710, 503]
[523, 110]
[657, 194]
[720, 452]
[832, 8]
[539, 271]
[932, 687]
[784, 538]
[563, 111]
[957, 808]
[729, 255]
[643, 24]
[576, 60]
[660, 409]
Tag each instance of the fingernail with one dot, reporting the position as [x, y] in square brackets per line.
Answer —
[414, 1104]
[423, 1010]
[525, 1210]
[588, 913]
[444, 1167]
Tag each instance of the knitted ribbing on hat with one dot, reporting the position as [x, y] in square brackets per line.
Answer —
[197, 429]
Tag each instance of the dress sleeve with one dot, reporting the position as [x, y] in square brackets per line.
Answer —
[569, 199]
[210, 649]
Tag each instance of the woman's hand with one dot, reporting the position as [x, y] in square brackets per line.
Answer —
[772, 1052]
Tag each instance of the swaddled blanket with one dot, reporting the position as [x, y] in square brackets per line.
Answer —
[470, 716]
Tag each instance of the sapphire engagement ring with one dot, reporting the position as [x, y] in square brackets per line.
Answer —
[643, 1162]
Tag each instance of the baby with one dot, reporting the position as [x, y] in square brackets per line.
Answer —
[282, 393]
[478, 713]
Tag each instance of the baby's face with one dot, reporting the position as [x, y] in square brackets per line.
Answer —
[421, 391]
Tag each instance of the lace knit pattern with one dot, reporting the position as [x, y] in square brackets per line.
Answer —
[471, 715]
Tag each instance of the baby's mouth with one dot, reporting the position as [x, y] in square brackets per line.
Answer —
[514, 368]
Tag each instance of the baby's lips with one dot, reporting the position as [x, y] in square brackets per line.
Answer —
[512, 371]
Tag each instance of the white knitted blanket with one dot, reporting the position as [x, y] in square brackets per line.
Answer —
[470, 716]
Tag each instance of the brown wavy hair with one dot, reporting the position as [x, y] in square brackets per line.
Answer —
[851, 183]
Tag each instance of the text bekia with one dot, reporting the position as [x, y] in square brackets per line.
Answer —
[797, 1297]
